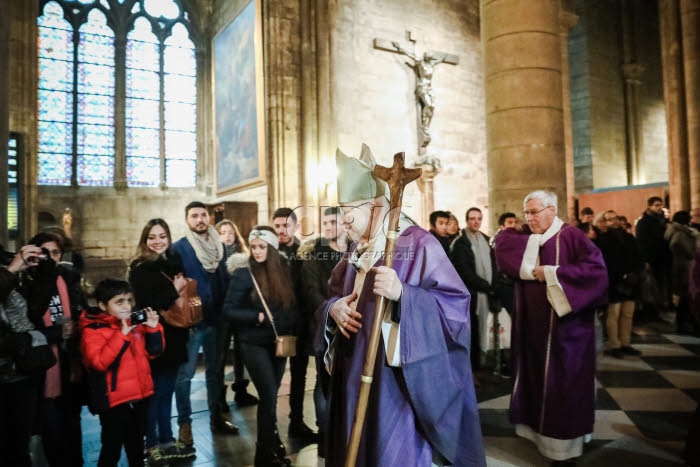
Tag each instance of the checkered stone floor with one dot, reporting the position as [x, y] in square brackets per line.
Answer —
[643, 409]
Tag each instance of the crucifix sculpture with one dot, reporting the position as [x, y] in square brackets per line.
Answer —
[423, 67]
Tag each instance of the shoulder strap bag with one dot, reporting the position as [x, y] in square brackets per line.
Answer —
[186, 310]
[286, 345]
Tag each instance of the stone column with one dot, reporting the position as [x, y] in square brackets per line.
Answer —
[4, 115]
[690, 25]
[120, 182]
[274, 105]
[426, 186]
[317, 151]
[632, 74]
[23, 77]
[206, 159]
[567, 20]
[674, 99]
[524, 109]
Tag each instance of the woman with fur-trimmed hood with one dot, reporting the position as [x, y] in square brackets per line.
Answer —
[244, 308]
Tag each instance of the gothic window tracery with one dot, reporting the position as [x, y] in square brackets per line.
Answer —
[84, 47]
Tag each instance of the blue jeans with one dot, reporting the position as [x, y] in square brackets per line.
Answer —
[202, 335]
[158, 424]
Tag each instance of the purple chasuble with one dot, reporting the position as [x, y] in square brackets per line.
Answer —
[428, 404]
[553, 356]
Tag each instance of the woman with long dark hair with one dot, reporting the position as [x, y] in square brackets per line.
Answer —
[155, 275]
[244, 308]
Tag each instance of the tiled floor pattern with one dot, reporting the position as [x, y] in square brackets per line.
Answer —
[644, 407]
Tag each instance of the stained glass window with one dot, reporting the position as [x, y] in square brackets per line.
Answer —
[180, 109]
[95, 102]
[55, 97]
[142, 106]
[77, 88]
[13, 185]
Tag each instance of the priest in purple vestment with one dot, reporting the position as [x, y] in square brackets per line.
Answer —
[560, 278]
[422, 407]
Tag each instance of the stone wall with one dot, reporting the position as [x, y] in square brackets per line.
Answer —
[107, 223]
[652, 118]
[374, 101]
[580, 107]
[596, 54]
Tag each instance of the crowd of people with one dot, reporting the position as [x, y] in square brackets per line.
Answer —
[554, 278]
[126, 360]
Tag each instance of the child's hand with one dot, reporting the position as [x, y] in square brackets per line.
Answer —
[152, 315]
[126, 327]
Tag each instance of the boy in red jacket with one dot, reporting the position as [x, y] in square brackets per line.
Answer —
[116, 354]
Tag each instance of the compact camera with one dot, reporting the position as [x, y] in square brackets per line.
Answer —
[138, 317]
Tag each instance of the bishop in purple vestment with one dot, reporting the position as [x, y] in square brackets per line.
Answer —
[422, 408]
[560, 278]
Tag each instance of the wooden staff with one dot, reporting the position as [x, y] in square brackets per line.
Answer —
[397, 177]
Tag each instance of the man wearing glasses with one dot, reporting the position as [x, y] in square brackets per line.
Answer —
[560, 278]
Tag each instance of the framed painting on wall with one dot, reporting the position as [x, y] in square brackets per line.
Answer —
[239, 120]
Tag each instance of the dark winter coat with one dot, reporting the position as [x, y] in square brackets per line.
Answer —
[153, 289]
[622, 258]
[318, 261]
[681, 241]
[242, 307]
[650, 239]
[464, 261]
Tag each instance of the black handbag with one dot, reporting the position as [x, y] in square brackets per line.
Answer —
[32, 353]
[628, 286]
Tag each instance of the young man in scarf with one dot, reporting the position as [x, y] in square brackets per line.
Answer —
[202, 255]
[473, 259]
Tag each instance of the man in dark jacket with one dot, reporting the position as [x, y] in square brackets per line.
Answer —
[473, 259]
[285, 223]
[654, 251]
[319, 258]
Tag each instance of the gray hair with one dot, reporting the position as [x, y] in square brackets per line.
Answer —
[547, 198]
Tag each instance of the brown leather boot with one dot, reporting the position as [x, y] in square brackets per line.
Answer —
[185, 435]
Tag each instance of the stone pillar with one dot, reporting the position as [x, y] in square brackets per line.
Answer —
[632, 74]
[426, 186]
[23, 77]
[567, 20]
[524, 110]
[274, 111]
[690, 25]
[674, 99]
[4, 115]
[206, 163]
[120, 182]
